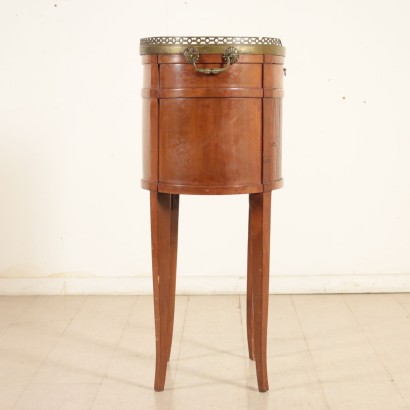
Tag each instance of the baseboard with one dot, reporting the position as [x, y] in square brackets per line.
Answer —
[142, 285]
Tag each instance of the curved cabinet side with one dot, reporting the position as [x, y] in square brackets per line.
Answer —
[150, 123]
[272, 124]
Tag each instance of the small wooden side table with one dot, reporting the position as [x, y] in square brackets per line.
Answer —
[211, 126]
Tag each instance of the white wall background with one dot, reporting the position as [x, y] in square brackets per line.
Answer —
[72, 216]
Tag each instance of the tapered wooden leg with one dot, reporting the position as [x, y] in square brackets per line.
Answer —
[259, 234]
[249, 295]
[164, 233]
[173, 267]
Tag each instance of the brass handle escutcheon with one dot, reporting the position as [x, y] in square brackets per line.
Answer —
[230, 56]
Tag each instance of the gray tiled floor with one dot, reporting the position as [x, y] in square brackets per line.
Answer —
[97, 352]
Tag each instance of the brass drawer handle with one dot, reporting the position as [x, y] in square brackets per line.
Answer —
[230, 56]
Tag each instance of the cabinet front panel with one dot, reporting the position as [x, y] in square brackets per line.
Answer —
[210, 141]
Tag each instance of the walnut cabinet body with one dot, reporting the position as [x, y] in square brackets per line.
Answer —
[211, 135]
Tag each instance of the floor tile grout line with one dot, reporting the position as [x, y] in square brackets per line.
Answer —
[115, 351]
[26, 308]
[359, 322]
[181, 339]
[310, 353]
[375, 350]
[50, 351]
[401, 305]
[244, 350]
[244, 346]
[14, 322]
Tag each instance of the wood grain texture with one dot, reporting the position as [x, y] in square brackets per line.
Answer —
[174, 218]
[185, 76]
[189, 125]
[149, 59]
[209, 189]
[150, 76]
[273, 93]
[271, 59]
[272, 76]
[249, 293]
[150, 123]
[211, 93]
[150, 141]
[258, 283]
[216, 142]
[272, 140]
[164, 238]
